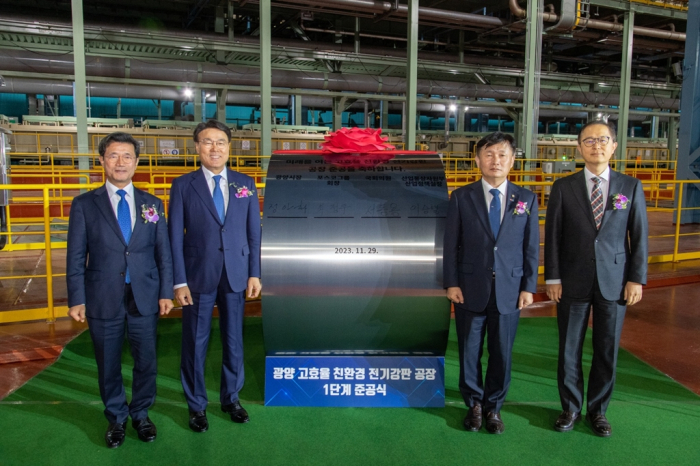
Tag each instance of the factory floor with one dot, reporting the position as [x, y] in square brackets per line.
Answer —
[662, 330]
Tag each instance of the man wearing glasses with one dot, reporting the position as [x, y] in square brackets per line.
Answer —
[595, 258]
[119, 276]
[214, 226]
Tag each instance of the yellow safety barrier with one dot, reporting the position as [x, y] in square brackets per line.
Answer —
[58, 196]
[51, 311]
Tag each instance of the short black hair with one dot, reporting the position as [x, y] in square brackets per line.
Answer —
[118, 137]
[494, 139]
[610, 127]
[216, 124]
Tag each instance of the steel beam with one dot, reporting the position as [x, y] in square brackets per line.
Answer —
[689, 135]
[221, 97]
[527, 136]
[265, 82]
[672, 137]
[411, 75]
[198, 104]
[625, 78]
[80, 83]
[230, 20]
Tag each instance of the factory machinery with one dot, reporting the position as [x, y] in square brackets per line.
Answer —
[53, 140]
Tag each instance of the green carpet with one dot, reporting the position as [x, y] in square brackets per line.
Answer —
[56, 418]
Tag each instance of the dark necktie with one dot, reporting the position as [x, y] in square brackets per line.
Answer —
[219, 199]
[124, 219]
[597, 201]
[495, 212]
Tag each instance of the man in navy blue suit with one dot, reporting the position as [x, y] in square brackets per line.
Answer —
[491, 258]
[214, 226]
[119, 277]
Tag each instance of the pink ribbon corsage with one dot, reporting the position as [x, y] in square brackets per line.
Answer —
[521, 208]
[242, 191]
[620, 201]
[149, 214]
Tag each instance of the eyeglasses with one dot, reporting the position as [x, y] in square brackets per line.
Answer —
[590, 142]
[220, 144]
[125, 157]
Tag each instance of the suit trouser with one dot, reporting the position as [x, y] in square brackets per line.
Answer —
[471, 329]
[196, 327]
[572, 319]
[108, 339]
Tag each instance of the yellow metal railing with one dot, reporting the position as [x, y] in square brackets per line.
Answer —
[53, 199]
[48, 200]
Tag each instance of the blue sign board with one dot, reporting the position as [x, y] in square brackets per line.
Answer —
[355, 381]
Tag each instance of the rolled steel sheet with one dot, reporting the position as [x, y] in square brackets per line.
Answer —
[352, 254]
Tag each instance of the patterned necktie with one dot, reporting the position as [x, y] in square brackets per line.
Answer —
[219, 199]
[597, 201]
[124, 219]
[495, 212]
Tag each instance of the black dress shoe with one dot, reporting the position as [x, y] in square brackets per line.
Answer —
[198, 421]
[599, 424]
[566, 420]
[494, 424]
[237, 412]
[116, 433]
[473, 419]
[146, 429]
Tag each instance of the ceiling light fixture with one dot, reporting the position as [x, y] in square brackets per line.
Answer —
[481, 78]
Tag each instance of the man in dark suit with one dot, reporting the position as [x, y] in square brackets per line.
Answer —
[595, 257]
[491, 258]
[119, 277]
[214, 226]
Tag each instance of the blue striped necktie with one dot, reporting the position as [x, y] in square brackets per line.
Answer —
[124, 219]
[219, 198]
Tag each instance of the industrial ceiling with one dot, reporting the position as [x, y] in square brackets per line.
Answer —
[468, 49]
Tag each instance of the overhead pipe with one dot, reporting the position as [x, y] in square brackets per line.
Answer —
[96, 31]
[38, 86]
[567, 21]
[191, 72]
[380, 7]
[50, 87]
[602, 25]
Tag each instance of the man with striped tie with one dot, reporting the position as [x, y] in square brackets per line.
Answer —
[119, 276]
[595, 259]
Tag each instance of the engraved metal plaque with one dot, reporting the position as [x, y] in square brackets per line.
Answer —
[352, 254]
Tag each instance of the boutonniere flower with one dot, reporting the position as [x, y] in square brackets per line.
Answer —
[149, 214]
[242, 191]
[521, 208]
[620, 201]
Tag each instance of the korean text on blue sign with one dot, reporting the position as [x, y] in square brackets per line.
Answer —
[359, 381]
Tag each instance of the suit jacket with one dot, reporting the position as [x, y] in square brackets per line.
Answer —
[577, 253]
[97, 256]
[202, 245]
[472, 254]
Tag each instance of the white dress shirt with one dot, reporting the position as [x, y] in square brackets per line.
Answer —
[223, 183]
[604, 188]
[114, 199]
[489, 197]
